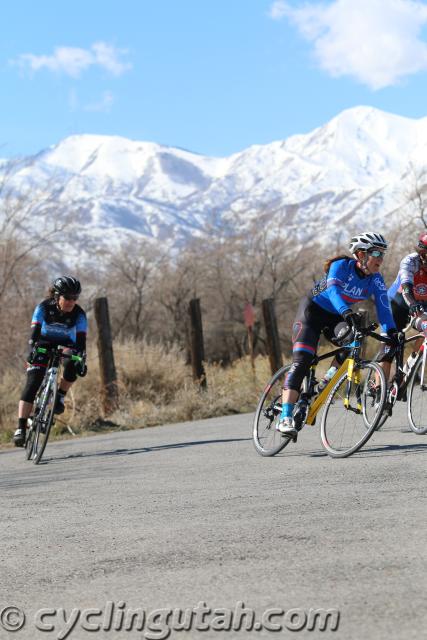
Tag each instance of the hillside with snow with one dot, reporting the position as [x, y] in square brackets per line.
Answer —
[348, 175]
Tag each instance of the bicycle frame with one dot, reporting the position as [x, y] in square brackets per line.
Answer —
[402, 378]
[423, 367]
[319, 401]
[353, 378]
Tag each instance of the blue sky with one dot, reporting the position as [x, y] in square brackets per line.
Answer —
[211, 76]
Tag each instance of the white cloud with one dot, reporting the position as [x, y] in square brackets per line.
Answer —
[377, 42]
[278, 9]
[102, 105]
[73, 61]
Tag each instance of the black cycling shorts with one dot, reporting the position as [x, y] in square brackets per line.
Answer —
[309, 323]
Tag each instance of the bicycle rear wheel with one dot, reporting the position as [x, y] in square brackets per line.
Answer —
[266, 439]
[43, 419]
[417, 401]
[343, 428]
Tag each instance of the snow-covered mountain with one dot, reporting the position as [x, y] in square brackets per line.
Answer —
[352, 173]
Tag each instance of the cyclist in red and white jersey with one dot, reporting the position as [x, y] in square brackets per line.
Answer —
[408, 293]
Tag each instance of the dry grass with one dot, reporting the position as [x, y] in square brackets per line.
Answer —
[155, 386]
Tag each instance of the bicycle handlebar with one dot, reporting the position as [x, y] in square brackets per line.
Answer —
[59, 350]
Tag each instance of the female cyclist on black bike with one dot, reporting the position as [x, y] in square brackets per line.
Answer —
[56, 320]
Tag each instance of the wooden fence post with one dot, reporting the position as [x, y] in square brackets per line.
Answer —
[110, 391]
[272, 333]
[249, 317]
[196, 340]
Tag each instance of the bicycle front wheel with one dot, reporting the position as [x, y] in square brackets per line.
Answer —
[29, 442]
[267, 440]
[343, 428]
[370, 402]
[43, 420]
[417, 401]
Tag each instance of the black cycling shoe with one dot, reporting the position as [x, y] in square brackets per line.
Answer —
[19, 437]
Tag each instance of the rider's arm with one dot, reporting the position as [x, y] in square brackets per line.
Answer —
[337, 277]
[408, 294]
[36, 323]
[407, 270]
[382, 304]
[81, 331]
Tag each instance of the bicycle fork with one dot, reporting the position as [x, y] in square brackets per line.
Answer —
[353, 377]
[51, 381]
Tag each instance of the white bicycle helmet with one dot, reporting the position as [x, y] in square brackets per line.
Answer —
[366, 241]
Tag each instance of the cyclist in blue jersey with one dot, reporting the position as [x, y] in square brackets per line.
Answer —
[56, 320]
[347, 281]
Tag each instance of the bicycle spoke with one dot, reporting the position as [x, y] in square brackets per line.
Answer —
[43, 422]
[343, 428]
[267, 440]
[370, 401]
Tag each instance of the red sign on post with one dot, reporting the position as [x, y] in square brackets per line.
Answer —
[249, 315]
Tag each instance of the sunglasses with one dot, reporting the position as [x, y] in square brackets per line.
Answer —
[71, 297]
[376, 253]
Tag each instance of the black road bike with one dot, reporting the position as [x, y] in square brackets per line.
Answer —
[409, 383]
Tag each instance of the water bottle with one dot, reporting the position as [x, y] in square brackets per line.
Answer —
[409, 363]
[326, 378]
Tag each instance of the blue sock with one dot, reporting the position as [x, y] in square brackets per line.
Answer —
[287, 410]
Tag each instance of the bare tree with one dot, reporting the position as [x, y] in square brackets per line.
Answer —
[129, 286]
[416, 194]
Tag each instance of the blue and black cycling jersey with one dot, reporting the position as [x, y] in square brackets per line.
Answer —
[321, 311]
[51, 324]
[343, 286]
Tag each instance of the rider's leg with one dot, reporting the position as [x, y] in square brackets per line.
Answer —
[35, 375]
[65, 384]
[24, 409]
[305, 337]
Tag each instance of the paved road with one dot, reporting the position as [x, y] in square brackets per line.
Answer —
[177, 515]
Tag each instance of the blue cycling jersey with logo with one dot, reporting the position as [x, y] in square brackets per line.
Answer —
[343, 287]
[58, 327]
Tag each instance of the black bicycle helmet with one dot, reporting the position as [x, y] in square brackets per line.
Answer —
[67, 285]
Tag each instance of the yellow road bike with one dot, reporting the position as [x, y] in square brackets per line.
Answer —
[349, 410]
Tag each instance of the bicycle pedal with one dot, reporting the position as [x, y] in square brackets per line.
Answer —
[289, 437]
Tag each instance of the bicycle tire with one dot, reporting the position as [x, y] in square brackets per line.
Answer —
[369, 403]
[29, 442]
[43, 420]
[343, 430]
[267, 441]
[417, 402]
